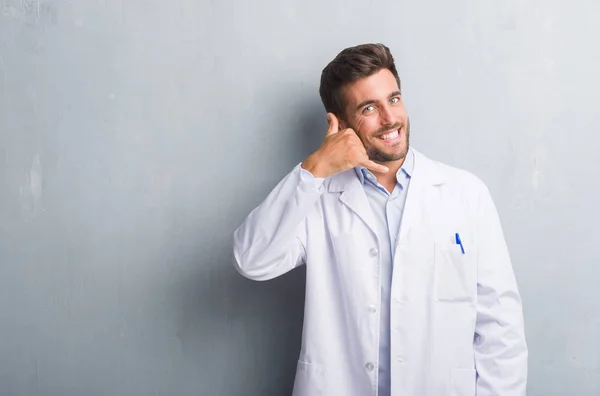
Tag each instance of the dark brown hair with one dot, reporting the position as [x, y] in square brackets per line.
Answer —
[349, 66]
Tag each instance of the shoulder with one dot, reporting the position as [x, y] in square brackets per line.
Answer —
[445, 174]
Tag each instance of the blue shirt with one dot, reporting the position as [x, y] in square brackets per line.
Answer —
[387, 210]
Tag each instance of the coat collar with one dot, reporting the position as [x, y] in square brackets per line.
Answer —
[426, 175]
[425, 171]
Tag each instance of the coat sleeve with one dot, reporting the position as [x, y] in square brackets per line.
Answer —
[272, 239]
[500, 346]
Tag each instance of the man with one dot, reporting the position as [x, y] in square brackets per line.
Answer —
[409, 285]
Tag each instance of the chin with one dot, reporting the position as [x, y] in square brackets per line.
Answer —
[397, 155]
[381, 156]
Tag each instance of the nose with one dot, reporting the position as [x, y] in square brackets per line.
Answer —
[386, 115]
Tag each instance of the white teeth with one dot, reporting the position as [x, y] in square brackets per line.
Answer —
[390, 136]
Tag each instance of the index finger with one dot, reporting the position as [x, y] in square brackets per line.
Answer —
[333, 124]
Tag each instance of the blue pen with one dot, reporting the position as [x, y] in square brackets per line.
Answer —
[459, 242]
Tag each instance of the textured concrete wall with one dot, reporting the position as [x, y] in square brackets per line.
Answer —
[136, 135]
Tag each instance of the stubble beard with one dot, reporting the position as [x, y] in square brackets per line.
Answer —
[380, 156]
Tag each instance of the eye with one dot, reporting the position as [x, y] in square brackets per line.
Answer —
[395, 100]
[368, 109]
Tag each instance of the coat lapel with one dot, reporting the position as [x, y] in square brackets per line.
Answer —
[353, 196]
[426, 177]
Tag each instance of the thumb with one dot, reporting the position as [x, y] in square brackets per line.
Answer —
[333, 124]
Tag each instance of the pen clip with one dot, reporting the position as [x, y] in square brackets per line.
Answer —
[459, 242]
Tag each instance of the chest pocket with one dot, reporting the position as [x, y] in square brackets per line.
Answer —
[455, 273]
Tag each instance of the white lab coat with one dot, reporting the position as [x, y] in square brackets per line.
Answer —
[456, 319]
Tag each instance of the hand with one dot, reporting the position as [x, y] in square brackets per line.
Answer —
[340, 151]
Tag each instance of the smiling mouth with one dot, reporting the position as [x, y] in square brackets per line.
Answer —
[389, 136]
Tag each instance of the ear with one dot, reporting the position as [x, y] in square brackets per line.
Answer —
[342, 122]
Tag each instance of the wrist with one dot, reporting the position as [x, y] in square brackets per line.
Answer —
[313, 165]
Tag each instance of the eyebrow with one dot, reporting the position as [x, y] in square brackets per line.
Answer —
[371, 101]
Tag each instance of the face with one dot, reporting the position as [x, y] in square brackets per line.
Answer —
[375, 111]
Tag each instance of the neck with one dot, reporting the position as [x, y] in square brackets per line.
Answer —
[388, 180]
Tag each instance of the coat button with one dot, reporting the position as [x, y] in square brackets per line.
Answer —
[372, 309]
[373, 252]
[369, 366]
